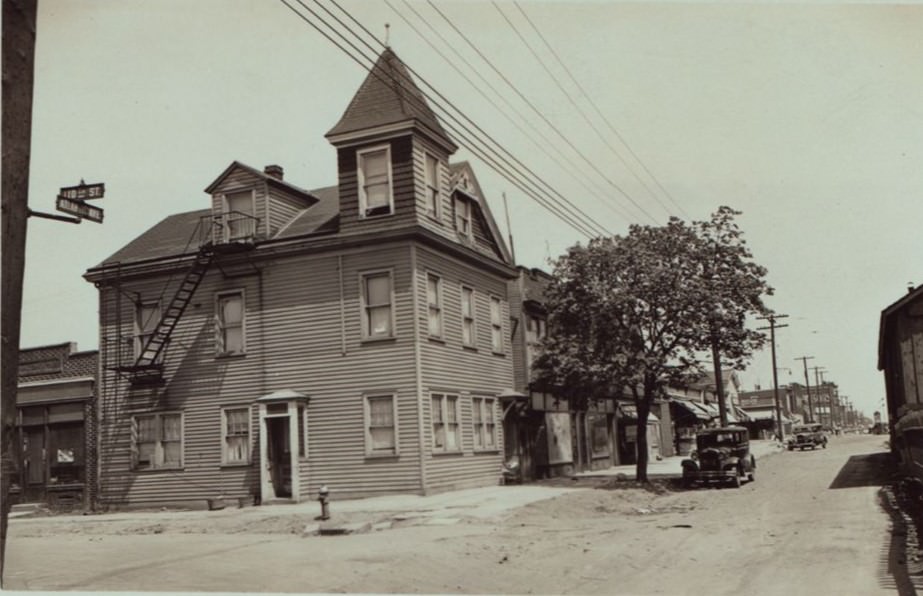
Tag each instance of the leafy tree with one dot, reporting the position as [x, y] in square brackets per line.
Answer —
[629, 315]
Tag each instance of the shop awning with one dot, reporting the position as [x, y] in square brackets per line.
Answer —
[695, 409]
[631, 412]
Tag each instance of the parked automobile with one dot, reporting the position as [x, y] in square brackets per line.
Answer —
[807, 435]
[721, 455]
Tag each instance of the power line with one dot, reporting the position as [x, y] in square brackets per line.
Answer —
[578, 107]
[551, 205]
[542, 146]
[540, 115]
[598, 111]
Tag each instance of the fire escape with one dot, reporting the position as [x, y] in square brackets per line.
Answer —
[218, 234]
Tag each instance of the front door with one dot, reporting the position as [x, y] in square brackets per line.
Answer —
[34, 459]
[279, 456]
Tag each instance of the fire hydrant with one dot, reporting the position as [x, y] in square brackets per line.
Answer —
[323, 497]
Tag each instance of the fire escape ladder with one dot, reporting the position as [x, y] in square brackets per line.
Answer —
[151, 356]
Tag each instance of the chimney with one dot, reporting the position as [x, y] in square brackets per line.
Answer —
[274, 171]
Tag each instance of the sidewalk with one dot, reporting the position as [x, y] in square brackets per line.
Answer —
[672, 466]
[357, 515]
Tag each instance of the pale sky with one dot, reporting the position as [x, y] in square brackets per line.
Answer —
[806, 117]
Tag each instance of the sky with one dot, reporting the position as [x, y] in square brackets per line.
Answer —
[807, 118]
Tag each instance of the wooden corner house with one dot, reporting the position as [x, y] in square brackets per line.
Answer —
[281, 339]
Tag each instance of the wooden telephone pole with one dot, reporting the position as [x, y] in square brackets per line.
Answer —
[19, 20]
[807, 386]
[775, 371]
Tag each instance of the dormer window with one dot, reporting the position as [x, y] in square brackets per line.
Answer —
[375, 196]
[432, 186]
[463, 217]
[238, 222]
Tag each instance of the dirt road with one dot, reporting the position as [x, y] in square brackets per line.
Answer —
[810, 524]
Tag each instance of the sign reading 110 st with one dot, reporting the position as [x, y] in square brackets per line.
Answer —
[71, 200]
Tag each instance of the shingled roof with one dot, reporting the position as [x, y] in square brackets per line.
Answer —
[175, 235]
[389, 96]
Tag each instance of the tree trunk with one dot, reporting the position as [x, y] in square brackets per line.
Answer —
[643, 408]
[719, 383]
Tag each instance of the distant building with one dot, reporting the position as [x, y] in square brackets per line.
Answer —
[56, 426]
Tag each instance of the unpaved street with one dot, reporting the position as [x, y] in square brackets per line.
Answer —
[810, 524]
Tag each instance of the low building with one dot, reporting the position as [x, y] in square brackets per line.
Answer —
[761, 413]
[900, 358]
[56, 426]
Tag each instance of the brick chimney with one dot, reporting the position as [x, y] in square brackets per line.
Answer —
[274, 171]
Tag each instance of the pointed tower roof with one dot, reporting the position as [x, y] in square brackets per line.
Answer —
[389, 96]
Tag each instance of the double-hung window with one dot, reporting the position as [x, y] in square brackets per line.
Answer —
[157, 440]
[485, 429]
[375, 181]
[431, 167]
[229, 323]
[377, 308]
[434, 304]
[239, 223]
[147, 316]
[469, 324]
[535, 332]
[235, 431]
[463, 217]
[445, 422]
[496, 325]
[380, 425]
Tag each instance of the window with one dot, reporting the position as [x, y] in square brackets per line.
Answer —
[535, 332]
[463, 217]
[445, 422]
[377, 318]
[469, 327]
[229, 323]
[239, 223]
[375, 182]
[157, 441]
[147, 316]
[496, 325]
[381, 429]
[235, 431]
[431, 167]
[434, 302]
[485, 430]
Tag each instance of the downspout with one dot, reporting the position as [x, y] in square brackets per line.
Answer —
[417, 366]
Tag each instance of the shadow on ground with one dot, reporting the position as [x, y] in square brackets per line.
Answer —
[873, 469]
[901, 560]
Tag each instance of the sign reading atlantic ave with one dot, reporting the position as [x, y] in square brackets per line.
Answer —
[83, 192]
[80, 209]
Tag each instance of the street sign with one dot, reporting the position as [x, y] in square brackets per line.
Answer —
[83, 192]
[80, 209]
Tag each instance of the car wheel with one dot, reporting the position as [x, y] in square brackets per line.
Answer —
[736, 480]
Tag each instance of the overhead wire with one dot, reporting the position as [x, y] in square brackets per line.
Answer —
[532, 174]
[583, 225]
[598, 111]
[577, 106]
[538, 112]
[542, 146]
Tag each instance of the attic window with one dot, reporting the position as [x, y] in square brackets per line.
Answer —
[463, 217]
[375, 196]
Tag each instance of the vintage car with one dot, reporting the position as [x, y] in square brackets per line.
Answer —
[807, 435]
[721, 455]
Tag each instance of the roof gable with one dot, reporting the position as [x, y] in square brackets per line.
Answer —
[237, 166]
[389, 96]
[463, 180]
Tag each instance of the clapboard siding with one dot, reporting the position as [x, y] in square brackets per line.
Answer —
[282, 209]
[444, 225]
[448, 366]
[402, 187]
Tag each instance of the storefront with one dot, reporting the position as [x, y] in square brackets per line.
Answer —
[628, 435]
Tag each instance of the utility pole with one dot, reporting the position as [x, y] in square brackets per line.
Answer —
[821, 396]
[807, 385]
[775, 371]
[19, 21]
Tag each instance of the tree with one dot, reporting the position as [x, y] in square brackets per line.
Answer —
[629, 315]
[734, 286]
